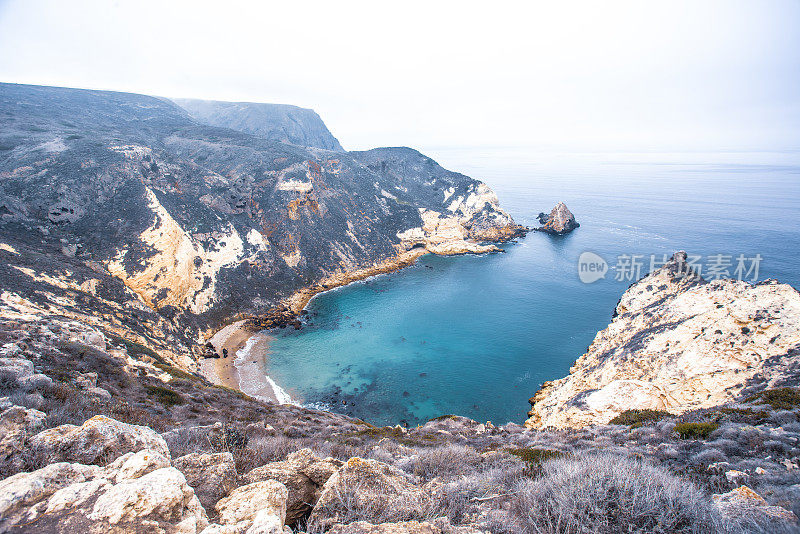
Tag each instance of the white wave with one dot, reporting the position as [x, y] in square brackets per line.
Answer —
[280, 394]
[252, 378]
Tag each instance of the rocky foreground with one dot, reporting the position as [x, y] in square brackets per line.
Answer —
[101, 434]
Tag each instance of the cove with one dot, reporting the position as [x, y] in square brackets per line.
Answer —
[477, 335]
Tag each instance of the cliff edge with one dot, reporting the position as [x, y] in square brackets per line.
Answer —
[679, 343]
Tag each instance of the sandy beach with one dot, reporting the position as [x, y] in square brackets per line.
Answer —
[244, 368]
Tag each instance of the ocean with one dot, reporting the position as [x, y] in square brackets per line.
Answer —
[477, 335]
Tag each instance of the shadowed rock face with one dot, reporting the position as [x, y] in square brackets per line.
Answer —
[122, 207]
[559, 221]
[279, 122]
[679, 343]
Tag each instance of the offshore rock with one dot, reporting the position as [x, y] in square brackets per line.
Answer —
[679, 343]
[560, 221]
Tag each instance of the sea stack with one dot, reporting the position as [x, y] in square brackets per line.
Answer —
[560, 221]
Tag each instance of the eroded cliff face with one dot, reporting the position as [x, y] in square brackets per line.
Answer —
[123, 197]
[679, 343]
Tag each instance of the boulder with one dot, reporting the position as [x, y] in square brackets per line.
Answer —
[560, 221]
[743, 502]
[97, 441]
[162, 495]
[387, 492]
[304, 474]
[138, 492]
[212, 476]
[35, 382]
[257, 508]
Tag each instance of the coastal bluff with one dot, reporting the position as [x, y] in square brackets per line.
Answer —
[678, 343]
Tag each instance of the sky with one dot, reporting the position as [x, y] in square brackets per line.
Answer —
[568, 75]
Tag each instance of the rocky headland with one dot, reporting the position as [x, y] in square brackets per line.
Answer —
[678, 343]
[126, 211]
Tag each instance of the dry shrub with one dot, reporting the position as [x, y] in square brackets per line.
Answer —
[610, 494]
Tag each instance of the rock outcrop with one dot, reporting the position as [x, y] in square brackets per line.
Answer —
[212, 476]
[304, 474]
[97, 440]
[560, 221]
[257, 508]
[137, 491]
[366, 484]
[678, 343]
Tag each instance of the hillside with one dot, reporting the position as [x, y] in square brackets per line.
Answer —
[279, 122]
[125, 203]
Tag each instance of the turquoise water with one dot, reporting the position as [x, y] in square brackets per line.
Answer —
[477, 335]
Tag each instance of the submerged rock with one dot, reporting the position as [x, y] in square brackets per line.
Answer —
[560, 221]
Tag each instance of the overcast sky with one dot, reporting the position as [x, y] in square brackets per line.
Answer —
[598, 75]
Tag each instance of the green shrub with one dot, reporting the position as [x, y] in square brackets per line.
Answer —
[165, 396]
[176, 373]
[637, 418]
[695, 430]
[779, 398]
[534, 458]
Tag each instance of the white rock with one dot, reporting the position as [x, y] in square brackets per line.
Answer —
[260, 506]
[158, 494]
[677, 343]
[98, 438]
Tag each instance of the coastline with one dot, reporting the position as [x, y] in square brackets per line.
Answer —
[247, 346]
[300, 299]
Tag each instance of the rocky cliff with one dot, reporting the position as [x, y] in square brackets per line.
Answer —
[123, 209]
[279, 122]
[678, 343]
